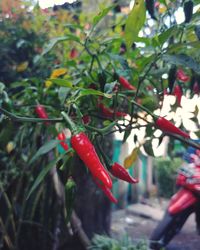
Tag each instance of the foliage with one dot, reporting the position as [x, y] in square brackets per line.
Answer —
[165, 169]
[100, 242]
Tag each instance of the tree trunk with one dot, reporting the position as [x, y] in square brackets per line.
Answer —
[92, 207]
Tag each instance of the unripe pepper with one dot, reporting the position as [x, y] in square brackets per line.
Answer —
[178, 93]
[188, 10]
[121, 173]
[62, 138]
[106, 190]
[150, 6]
[70, 191]
[86, 151]
[171, 78]
[108, 112]
[168, 127]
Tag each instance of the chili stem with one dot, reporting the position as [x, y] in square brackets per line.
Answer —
[69, 121]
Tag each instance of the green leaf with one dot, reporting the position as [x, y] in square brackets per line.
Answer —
[57, 40]
[119, 59]
[62, 93]
[70, 191]
[108, 88]
[143, 62]
[61, 82]
[132, 158]
[41, 176]
[148, 148]
[149, 102]
[126, 135]
[183, 60]
[106, 123]
[101, 15]
[164, 2]
[75, 26]
[135, 22]
[163, 37]
[85, 92]
[149, 130]
[44, 149]
[160, 139]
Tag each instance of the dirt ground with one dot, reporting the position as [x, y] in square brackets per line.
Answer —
[140, 228]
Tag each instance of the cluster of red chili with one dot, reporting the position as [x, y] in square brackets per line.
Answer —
[87, 153]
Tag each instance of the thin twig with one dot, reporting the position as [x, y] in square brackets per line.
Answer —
[185, 140]
[77, 228]
[5, 235]
[27, 119]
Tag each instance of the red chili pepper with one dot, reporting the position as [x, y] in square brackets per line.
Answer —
[41, 112]
[106, 191]
[86, 151]
[196, 88]
[157, 4]
[62, 138]
[120, 172]
[73, 53]
[110, 112]
[92, 86]
[86, 119]
[126, 84]
[180, 74]
[149, 88]
[165, 92]
[168, 127]
[178, 93]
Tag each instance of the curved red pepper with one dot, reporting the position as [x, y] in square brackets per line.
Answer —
[62, 137]
[41, 112]
[168, 127]
[165, 92]
[196, 88]
[120, 172]
[126, 84]
[106, 191]
[178, 93]
[86, 119]
[73, 53]
[180, 74]
[110, 112]
[86, 151]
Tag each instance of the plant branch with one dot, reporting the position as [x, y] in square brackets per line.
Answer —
[185, 140]
[27, 119]
[77, 228]
[146, 73]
